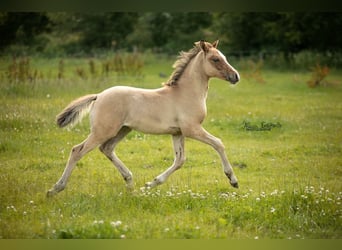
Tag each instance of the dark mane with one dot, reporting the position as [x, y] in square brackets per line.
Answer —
[183, 60]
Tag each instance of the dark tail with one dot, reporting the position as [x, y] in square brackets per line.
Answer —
[75, 111]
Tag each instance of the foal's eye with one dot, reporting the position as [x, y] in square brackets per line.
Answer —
[215, 60]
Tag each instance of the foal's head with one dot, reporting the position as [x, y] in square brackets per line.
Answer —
[216, 64]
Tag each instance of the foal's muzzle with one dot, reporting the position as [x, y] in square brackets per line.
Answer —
[233, 77]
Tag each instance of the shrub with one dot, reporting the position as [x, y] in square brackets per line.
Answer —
[20, 71]
[254, 70]
[318, 74]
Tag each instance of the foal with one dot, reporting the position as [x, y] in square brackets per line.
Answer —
[178, 108]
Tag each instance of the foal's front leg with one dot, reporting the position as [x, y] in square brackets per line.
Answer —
[202, 135]
[178, 146]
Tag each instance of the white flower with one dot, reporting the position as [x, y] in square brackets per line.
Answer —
[98, 222]
[273, 209]
[275, 192]
[13, 208]
[116, 223]
[224, 195]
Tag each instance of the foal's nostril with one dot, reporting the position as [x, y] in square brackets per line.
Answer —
[237, 77]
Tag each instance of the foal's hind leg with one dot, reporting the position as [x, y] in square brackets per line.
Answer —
[108, 149]
[178, 146]
[76, 154]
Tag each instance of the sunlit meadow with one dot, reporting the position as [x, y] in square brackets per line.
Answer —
[283, 139]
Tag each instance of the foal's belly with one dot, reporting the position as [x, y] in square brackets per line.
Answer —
[168, 130]
[153, 126]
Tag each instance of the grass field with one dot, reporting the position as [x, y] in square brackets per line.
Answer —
[290, 174]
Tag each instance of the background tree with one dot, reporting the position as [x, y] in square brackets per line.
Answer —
[21, 27]
[241, 33]
[289, 32]
[106, 30]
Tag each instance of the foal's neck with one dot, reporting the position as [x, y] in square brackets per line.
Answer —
[194, 80]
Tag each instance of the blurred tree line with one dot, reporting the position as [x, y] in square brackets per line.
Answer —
[59, 33]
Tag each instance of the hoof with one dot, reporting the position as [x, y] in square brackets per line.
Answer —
[55, 190]
[148, 185]
[235, 185]
[130, 188]
[153, 183]
[232, 180]
[50, 193]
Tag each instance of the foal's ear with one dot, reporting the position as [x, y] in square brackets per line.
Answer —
[215, 44]
[204, 46]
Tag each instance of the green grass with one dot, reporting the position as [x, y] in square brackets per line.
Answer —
[290, 176]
